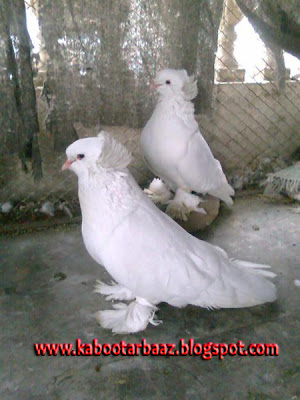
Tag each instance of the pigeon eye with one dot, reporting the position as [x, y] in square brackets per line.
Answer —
[168, 82]
[80, 156]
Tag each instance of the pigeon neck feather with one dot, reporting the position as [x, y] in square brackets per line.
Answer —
[107, 197]
[177, 106]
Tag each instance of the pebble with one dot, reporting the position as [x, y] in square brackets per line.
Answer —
[48, 208]
[6, 207]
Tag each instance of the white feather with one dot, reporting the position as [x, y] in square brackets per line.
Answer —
[190, 89]
[113, 291]
[172, 144]
[150, 256]
[126, 319]
[114, 155]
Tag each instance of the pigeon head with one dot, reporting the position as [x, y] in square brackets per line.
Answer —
[95, 154]
[175, 82]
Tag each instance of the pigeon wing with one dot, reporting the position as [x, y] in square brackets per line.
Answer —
[156, 259]
[201, 171]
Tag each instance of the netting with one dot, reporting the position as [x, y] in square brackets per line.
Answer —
[91, 70]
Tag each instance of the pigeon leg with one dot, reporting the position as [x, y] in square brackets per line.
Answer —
[128, 318]
[113, 291]
[158, 191]
[183, 204]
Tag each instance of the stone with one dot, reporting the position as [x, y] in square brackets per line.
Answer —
[47, 208]
[197, 221]
[6, 207]
[228, 75]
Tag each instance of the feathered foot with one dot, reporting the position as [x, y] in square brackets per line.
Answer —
[128, 318]
[158, 191]
[183, 204]
[113, 291]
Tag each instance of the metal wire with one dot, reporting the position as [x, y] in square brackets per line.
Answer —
[253, 128]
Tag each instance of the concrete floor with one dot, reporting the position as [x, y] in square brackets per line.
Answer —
[46, 296]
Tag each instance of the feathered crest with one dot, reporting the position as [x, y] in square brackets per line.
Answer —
[190, 87]
[113, 155]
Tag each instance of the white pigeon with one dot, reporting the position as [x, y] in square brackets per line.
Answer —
[175, 150]
[150, 257]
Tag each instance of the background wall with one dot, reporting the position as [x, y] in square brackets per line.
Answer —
[87, 66]
[252, 130]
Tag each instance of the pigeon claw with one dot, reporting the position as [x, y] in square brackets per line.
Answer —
[156, 197]
[158, 191]
[181, 212]
[130, 318]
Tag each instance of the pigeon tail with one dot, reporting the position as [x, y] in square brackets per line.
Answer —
[130, 318]
[258, 288]
[224, 193]
[244, 284]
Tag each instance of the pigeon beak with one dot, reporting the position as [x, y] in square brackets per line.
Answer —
[154, 85]
[66, 165]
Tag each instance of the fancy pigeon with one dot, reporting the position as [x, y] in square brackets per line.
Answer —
[175, 151]
[149, 256]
